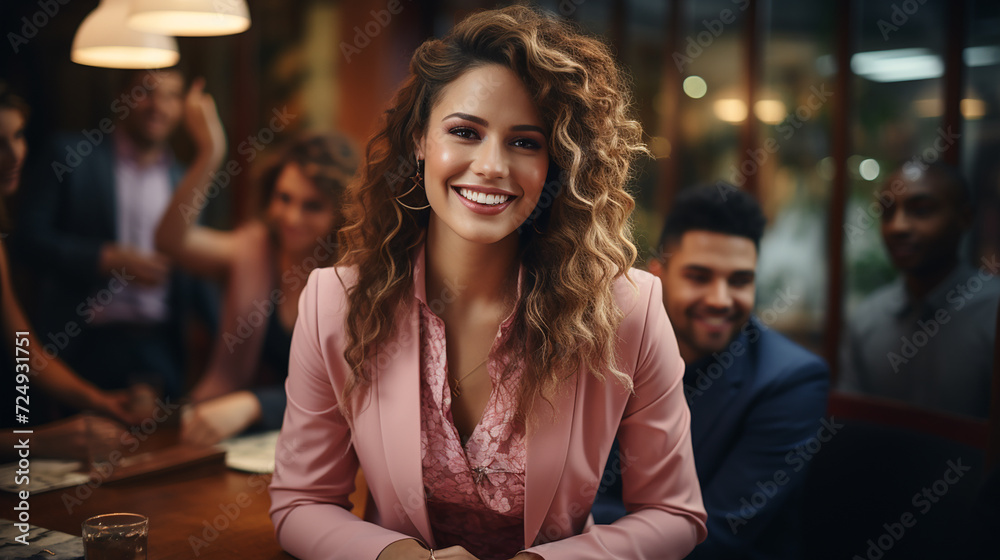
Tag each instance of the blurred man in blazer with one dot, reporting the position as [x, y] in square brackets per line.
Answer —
[757, 399]
[108, 303]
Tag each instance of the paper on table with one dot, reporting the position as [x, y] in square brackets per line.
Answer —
[42, 543]
[46, 474]
[252, 453]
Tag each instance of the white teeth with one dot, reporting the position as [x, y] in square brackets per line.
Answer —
[482, 198]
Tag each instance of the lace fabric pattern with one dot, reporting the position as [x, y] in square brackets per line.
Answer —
[475, 492]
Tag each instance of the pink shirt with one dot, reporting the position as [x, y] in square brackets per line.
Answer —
[475, 493]
[142, 194]
[319, 450]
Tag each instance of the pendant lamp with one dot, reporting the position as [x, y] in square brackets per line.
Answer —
[190, 18]
[103, 39]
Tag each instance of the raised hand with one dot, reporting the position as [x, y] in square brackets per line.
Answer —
[201, 119]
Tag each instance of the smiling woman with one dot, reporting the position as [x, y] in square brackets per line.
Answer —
[483, 338]
[492, 163]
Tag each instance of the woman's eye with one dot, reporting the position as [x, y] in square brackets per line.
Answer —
[312, 206]
[527, 144]
[464, 132]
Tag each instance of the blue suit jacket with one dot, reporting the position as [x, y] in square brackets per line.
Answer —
[66, 214]
[754, 409]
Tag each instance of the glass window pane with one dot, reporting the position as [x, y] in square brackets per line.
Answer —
[981, 123]
[712, 101]
[793, 165]
[897, 103]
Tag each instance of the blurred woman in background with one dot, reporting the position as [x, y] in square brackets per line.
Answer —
[64, 438]
[263, 263]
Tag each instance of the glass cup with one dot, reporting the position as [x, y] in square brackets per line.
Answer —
[115, 536]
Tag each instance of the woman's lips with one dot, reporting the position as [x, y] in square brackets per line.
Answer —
[484, 209]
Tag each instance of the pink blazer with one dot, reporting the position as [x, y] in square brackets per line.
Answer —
[318, 454]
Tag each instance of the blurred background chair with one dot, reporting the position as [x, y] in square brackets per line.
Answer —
[894, 482]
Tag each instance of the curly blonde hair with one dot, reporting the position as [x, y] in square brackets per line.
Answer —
[567, 317]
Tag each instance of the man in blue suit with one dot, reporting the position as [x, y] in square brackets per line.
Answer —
[109, 305]
[757, 399]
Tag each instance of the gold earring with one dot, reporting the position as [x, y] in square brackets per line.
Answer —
[417, 182]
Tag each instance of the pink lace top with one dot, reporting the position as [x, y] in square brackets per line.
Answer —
[475, 493]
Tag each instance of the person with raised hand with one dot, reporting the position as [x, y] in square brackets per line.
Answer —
[263, 264]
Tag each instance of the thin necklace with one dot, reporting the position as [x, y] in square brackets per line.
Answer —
[456, 391]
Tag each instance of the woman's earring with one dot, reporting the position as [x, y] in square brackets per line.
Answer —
[418, 181]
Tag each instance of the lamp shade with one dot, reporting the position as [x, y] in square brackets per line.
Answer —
[190, 18]
[103, 39]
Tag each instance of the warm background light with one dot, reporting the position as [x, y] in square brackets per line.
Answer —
[190, 18]
[104, 40]
[730, 110]
[695, 87]
[973, 109]
[869, 169]
[770, 111]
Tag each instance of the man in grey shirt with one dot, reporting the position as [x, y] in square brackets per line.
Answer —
[927, 337]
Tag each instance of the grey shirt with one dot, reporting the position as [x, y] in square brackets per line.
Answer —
[933, 353]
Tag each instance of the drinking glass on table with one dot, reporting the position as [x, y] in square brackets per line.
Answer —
[116, 536]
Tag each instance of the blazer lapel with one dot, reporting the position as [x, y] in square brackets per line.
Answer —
[548, 445]
[398, 398]
[105, 208]
[715, 401]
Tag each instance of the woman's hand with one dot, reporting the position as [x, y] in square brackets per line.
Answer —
[117, 405]
[201, 119]
[406, 549]
[212, 421]
[410, 549]
[453, 553]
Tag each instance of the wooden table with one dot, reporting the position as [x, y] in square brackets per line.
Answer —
[204, 511]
